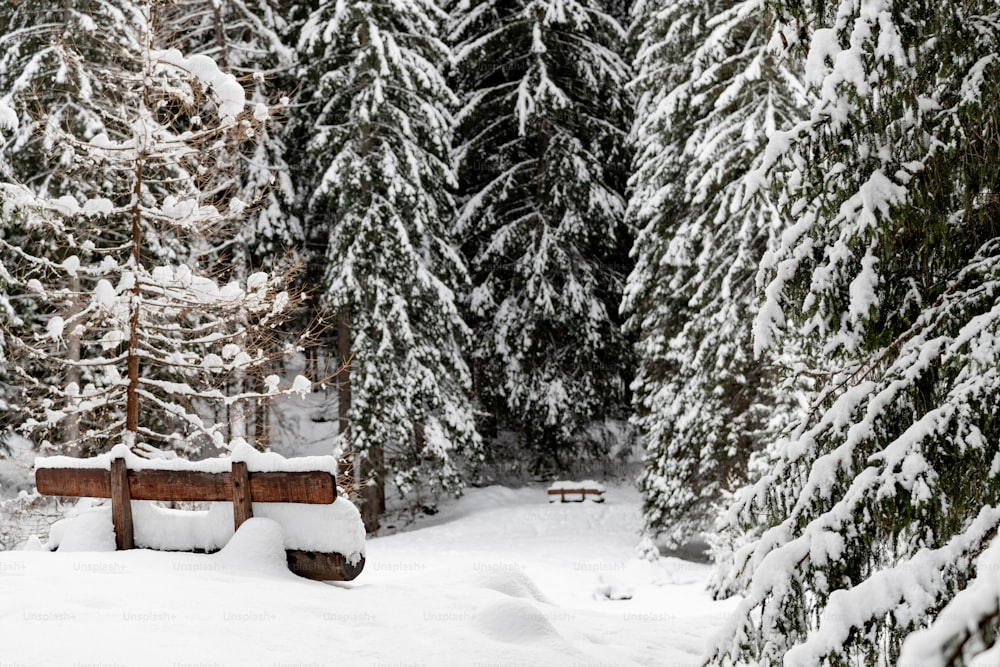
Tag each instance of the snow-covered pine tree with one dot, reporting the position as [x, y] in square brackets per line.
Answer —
[39, 72]
[379, 207]
[712, 85]
[880, 501]
[619, 9]
[965, 631]
[542, 161]
[8, 123]
[132, 319]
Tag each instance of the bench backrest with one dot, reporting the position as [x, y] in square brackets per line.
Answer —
[238, 486]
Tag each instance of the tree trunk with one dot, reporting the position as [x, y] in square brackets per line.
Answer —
[220, 37]
[73, 349]
[132, 393]
[373, 493]
[261, 415]
[346, 467]
[238, 416]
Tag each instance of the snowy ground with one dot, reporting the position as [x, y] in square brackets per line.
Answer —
[499, 577]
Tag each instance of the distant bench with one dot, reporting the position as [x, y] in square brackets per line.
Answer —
[238, 486]
[576, 492]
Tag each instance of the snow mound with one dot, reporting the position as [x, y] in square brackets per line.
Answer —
[90, 531]
[169, 529]
[333, 528]
[33, 543]
[672, 571]
[258, 546]
[513, 584]
[613, 588]
[516, 622]
[640, 572]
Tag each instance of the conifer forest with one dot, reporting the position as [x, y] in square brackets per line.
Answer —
[744, 252]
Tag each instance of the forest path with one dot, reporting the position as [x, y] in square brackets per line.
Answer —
[498, 577]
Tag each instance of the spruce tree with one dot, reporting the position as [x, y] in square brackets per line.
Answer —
[50, 82]
[711, 88]
[8, 122]
[378, 207]
[50, 54]
[885, 494]
[541, 156]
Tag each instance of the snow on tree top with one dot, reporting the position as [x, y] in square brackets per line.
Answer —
[230, 93]
[242, 452]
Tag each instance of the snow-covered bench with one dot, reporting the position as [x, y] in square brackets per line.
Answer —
[324, 534]
[576, 492]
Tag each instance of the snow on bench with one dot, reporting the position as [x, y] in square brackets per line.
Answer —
[323, 534]
[576, 492]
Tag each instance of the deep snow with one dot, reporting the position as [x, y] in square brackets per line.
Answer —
[499, 577]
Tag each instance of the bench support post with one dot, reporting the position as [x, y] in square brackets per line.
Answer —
[121, 506]
[242, 502]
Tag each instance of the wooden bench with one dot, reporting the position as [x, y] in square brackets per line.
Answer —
[238, 486]
[577, 492]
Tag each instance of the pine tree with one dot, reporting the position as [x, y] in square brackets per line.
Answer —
[965, 631]
[378, 206]
[541, 155]
[128, 311]
[42, 69]
[8, 122]
[882, 498]
[711, 89]
[619, 9]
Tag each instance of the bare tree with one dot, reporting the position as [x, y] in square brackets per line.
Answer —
[139, 339]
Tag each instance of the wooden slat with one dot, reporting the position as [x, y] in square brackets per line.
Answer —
[559, 492]
[121, 506]
[313, 487]
[74, 482]
[323, 566]
[179, 485]
[242, 504]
